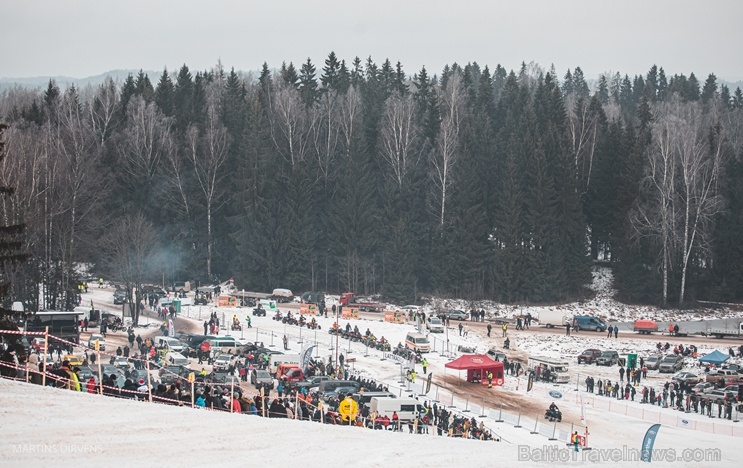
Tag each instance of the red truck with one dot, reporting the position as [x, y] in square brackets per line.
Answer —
[289, 373]
[349, 299]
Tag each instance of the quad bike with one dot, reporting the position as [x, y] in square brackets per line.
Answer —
[553, 415]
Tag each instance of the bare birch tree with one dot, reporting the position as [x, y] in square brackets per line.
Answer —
[81, 181]
[208, 153]
[444, 155]
[700, 163]
[144, 143]
[680, 191]
[103, 109]
[350, 118]
[290, 125]
[326, 132]
[583, 128]
[399, 137]
[655, 215]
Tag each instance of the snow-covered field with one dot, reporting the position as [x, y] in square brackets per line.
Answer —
[47, 425]
[601, 305]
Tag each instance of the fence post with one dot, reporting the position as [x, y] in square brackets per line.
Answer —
[554, 431]
[483, 415]
[736, 414]
[500, 414]
[536, 423]
[466, 405]
[518, 422]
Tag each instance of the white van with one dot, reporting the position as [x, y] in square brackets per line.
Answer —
[551, 369]
[364, 398]
[417, 342]
[225, 344]
[176, 359]
[407, 408]
[170, 343]
[434, 324]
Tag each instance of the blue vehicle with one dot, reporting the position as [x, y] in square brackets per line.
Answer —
[587, 322]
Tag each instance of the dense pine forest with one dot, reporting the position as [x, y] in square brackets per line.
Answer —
[470, 182]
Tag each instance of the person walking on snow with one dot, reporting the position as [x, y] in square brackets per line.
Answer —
[425, 365]
[505, 329]
[616, 331]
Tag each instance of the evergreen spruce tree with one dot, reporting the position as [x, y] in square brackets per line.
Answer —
[710, 88]
[165, 94]
[308, 84]
[143, 87]
[331, 78]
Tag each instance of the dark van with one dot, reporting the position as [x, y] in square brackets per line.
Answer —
[332, 385]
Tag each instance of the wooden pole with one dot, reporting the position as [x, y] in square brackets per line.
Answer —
[100, 374]
[232, 391]
[46, 349]
[149, 384]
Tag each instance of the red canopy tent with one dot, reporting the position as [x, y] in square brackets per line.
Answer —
[477, 367]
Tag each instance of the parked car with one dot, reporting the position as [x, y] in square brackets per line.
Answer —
[686, 378]
[727, 375]
[652, 362]
[120, 296]
[434, 324]
[671, 364]
[219, 376]
[731, 390]
[496, 355]
[715, 395]
[170, 374]
[85, 374]
[261, 378]
[607, 358]
[703, 387]
[222, 361]
[75, 361]
[455, 314]
[589, 356]
[38, 344]
[122, 363]
[101, 341]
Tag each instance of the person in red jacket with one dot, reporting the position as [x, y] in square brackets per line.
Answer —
[235, 404]
[395, 420]
[91, 385]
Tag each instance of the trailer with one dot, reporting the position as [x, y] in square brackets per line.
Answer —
[350, 299]
[552, 318]
[645, 327]
[723, 332]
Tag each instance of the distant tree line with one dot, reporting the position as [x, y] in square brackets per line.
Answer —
[474, 183]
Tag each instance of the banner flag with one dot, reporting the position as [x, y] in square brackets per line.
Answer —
[304, 358]
[648, 442]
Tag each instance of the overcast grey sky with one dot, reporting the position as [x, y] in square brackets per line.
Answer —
[80, 38]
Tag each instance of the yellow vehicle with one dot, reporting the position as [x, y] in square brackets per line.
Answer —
[73, 360]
